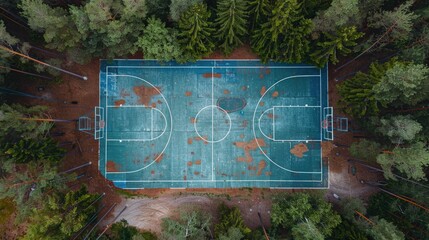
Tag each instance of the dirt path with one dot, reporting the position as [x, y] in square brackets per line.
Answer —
[147, 213]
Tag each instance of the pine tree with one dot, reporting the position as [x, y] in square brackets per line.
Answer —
[385, 230]
[159, 42]
[178, 7]
[231, 23]
[196, 31]
[399, 129]
[341, 13]
[340, 42]
[357, 95]
[259, 10]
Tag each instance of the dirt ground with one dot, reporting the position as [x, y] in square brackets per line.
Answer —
[147, 210]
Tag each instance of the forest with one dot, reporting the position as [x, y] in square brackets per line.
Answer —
[378, 55]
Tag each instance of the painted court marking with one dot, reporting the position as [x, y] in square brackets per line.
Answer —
[212, 106]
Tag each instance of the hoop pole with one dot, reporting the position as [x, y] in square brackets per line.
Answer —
[75, 168]
[45, 120]
[42, 63]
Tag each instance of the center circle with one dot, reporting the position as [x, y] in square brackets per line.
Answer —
[212, 124]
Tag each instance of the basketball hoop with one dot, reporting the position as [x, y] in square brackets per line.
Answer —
[325, 124]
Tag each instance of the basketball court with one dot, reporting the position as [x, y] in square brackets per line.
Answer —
[212, 124]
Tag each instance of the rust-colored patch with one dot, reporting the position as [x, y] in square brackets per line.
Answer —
[299, 149]
[188, 93]
[267, 71]
[145, 93]
[327, 147]
[196, 173]
[275, 94]
[153, 105]
[267, 173]
[241, 136]
[159, 102]
[226, 91]
[243, 172]
[184, 178]
[244, 123]
[261, 76]
[198, 162]
[119, 102]
[193, 120]
[263, 90]
[270, 115]
[158, 157]
[189, 163]
[251, 168]
[247, 147]
[146, 159]
[189, 140]
[125, 93]
[261, 165]
[202, 138]
[244, 88]
[261, 104]
[210, 75]
[111, 166]
[152, 172]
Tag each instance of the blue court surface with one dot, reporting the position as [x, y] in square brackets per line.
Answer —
[212, 124]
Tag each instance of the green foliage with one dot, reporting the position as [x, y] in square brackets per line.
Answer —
[190, 225]
[291, 210]
[365, 149]
[26, 150]
[285, 36]
[259, 10]
[159, 9]
[348, 231]
[232, 233]
[177, 7]
[349, 206]
[399, 128]
[231, 22]
[27, 185]
[341, 13]
[357, 95]
[195, 32]
[6, 40]
[384, 230]
[306, 231]
[122, 230]
[310, 7]
[62, 215]
[341, 42]
[403, 83]
[409, 160]
[230, 218]
[159, 42]
[403, 19]
[13, 128]
[56, 25]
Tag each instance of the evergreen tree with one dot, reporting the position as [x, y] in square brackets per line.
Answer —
[341, 13]
[357, 96]
[196, 32]
[402, 20]
[403, 83]
[231, 22]
[290, 210]
[178, 7]
[399, 128]
[259, 10]
[62, 215]
[27, 150]
[159, 42]
[190, 225]
[230, 218]
[6, 40]
[340, 42]
[284, 37]
[384, 230]
[306, 231]
[409, 160]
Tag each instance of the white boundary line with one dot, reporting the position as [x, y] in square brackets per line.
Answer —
[151, 130]
[171, 126]
[254, 117]
[259, 123]
[212, 121]
[291, 140]
[213, 176]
